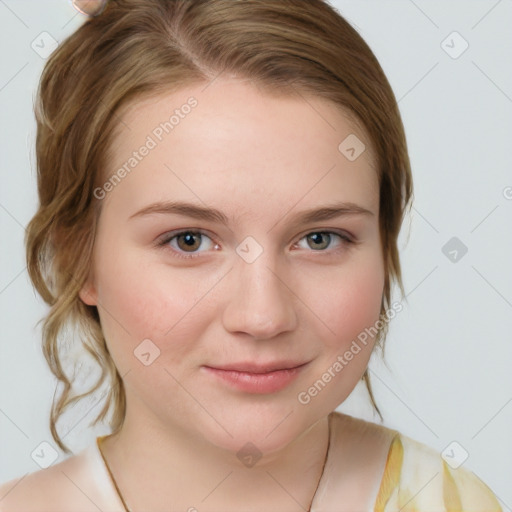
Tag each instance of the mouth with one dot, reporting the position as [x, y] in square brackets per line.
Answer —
[257, 378]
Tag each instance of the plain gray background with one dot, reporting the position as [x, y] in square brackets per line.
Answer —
[449, 351]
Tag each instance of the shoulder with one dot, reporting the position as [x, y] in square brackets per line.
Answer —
[417, 475]
[54, 489]
[45, 490]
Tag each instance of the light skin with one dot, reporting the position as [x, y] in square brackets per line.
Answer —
[262, 161]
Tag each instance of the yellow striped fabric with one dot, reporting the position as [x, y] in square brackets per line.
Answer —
[417, 479]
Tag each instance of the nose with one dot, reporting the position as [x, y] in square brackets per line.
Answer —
[261, 303]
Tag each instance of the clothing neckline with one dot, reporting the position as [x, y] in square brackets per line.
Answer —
[328, 486]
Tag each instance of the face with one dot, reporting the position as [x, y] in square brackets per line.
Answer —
[237, 259]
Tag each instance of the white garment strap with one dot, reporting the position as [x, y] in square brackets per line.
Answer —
[355, 465]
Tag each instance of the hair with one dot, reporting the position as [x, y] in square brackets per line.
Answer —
[138, 49]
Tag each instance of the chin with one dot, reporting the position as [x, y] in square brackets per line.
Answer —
[268, 427]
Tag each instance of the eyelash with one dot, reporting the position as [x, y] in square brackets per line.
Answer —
[163, 243]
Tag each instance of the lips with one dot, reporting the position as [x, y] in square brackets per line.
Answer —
[255, 378]
[251, 367]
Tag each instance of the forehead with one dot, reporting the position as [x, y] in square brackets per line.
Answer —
[229, 142]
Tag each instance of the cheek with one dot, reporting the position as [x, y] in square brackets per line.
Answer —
[142, 300]
[350, 309]
[352, 303]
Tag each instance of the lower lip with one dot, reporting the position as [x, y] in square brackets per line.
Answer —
[257, 382]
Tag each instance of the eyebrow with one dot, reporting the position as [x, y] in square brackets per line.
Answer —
[211, 214]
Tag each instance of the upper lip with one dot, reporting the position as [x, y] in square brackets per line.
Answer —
[251, 367]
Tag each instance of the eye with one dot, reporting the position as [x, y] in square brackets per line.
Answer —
[320, 240]
[184, 242]
[187, 243]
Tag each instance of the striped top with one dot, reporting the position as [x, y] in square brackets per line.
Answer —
[373, 468]
[416, 478]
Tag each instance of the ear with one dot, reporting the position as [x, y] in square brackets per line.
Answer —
[88, 294]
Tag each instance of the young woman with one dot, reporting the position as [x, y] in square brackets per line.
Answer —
[222, 184]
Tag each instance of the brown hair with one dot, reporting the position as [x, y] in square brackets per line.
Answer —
[141, 48]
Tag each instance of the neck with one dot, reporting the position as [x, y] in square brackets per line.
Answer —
[156, 467]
